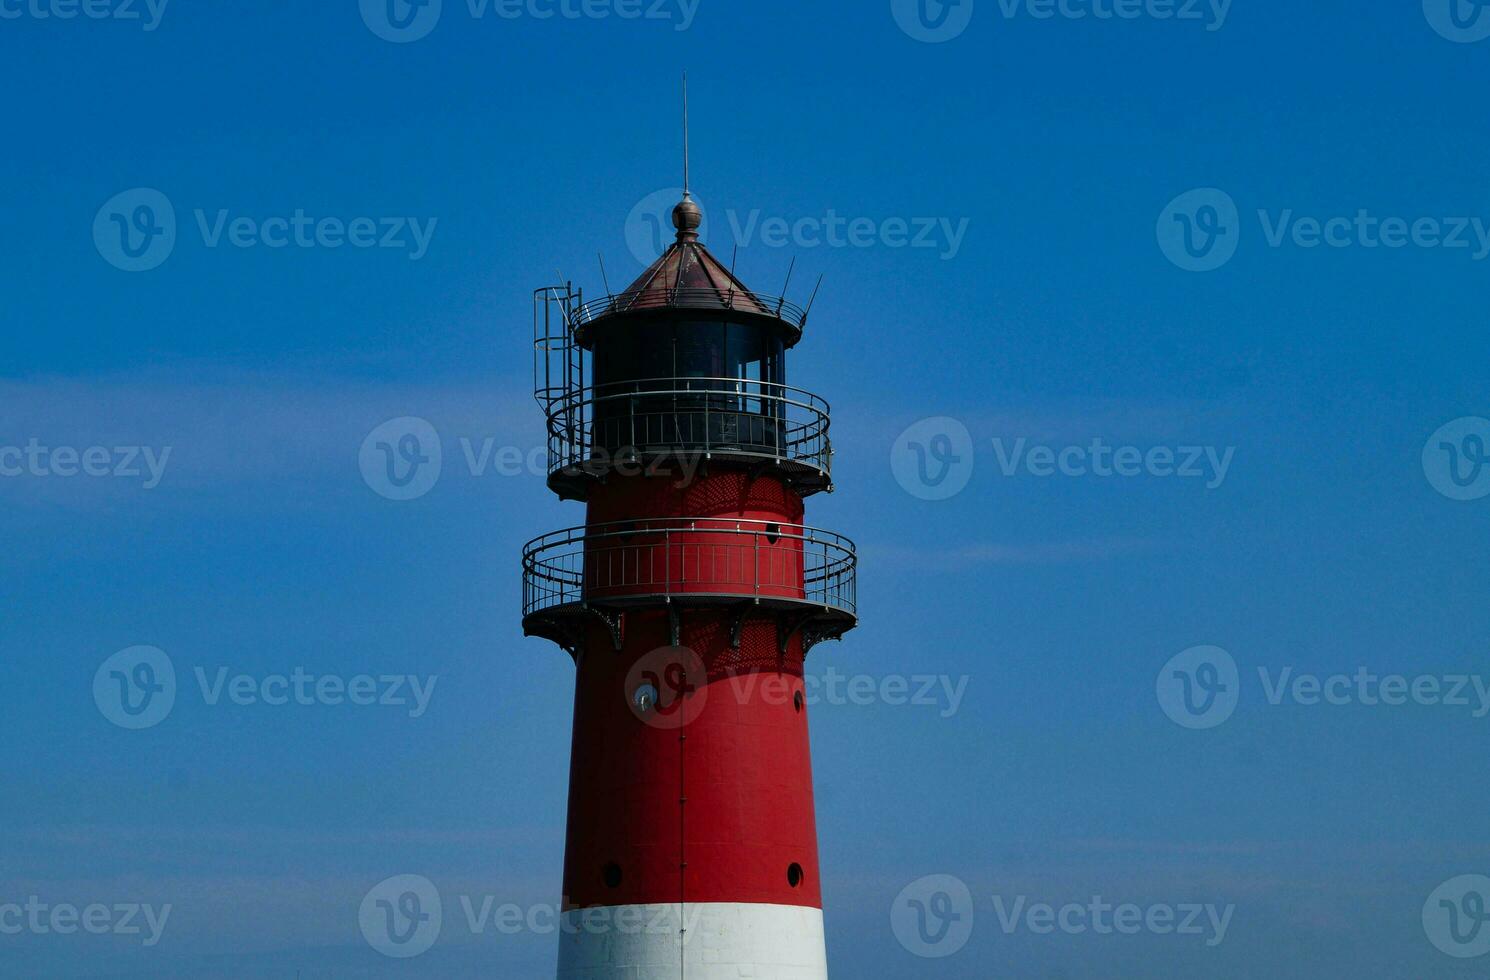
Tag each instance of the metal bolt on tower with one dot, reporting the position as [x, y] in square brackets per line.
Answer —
[688, 601]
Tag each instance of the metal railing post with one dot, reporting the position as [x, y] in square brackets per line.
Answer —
[757, 538]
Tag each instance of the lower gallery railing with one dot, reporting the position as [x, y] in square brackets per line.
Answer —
[700, 558]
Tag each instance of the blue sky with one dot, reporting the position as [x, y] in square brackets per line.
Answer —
[1054, 304]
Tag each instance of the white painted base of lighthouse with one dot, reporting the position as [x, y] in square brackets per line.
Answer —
[724, 940]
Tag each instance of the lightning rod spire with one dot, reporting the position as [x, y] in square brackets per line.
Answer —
[686, 195]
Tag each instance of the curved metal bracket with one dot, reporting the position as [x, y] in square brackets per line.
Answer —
[813, 635]
[737, 623]
[614, 622]
[788, 625]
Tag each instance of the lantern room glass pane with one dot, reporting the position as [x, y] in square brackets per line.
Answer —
[700, 350]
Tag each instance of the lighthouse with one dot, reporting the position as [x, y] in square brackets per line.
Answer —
[689, 600]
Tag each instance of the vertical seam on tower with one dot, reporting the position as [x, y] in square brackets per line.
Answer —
[682, 859]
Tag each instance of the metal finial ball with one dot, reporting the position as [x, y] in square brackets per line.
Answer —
[687, 217]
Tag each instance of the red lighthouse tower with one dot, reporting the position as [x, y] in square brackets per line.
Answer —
[688, 601]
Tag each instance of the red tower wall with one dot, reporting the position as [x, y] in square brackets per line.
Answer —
[720, 808]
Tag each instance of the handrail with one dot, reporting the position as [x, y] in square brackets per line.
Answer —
[798, 396]
[736, 416]
[663, 297]
[668, 558]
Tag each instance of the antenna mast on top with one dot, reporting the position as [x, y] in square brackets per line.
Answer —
[685, 137]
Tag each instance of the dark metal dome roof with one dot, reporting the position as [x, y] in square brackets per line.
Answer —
[688, 275]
